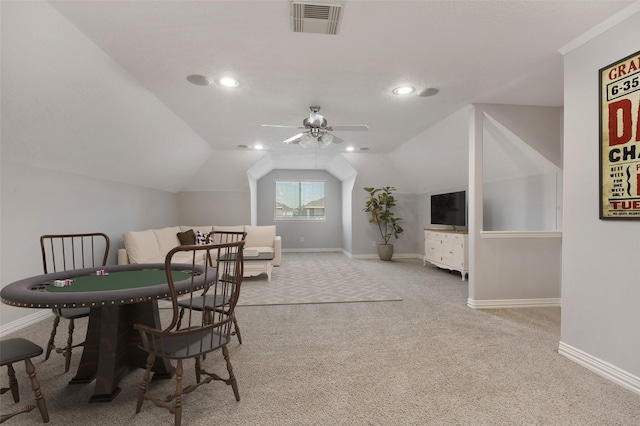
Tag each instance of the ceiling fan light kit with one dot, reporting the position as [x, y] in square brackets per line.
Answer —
[315, 127]
[305, 140]
[326, 139]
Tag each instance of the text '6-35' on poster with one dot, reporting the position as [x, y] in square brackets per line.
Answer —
[620, 139]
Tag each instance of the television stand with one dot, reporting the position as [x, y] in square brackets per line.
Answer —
[447, 249]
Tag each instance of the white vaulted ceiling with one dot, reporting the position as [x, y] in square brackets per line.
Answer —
[178, 136]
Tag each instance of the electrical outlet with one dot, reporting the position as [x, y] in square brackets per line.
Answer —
[373, 243]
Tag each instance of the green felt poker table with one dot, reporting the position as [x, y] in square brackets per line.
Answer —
[127, 295]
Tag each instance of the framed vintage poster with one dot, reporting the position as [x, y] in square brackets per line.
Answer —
[620, 139]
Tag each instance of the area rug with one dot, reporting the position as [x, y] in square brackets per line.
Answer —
[315, 278]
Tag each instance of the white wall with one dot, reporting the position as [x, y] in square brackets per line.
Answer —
[317, 235]
[74, 124]
[377, 170]
[525, 204]
[347, 214]
[514, 269]
[425, 162]
[37, 201]
[68, 106]
[539, 127]
[522, 160]
[600, 278]
[220, 208]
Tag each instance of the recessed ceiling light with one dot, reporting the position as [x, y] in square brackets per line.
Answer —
[228, 82]
[350, 148]
[404, 90]
[257, 146]
[200, 80]
[429, 91]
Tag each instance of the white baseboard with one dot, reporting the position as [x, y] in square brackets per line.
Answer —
[395, 256]
[312, 250]
[600, 367]
[351, 255]
[24, 322]
[513, 303]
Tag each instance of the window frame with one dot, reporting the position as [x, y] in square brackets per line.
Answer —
[299, 182]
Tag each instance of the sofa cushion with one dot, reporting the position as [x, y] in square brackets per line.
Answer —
[260, 236]
[197, 228]
[187, 238]
[262, 249]
[203, 238]
[141, 246]
[238, 228]
[167, 239]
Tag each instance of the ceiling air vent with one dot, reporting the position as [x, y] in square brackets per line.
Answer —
[315, 17]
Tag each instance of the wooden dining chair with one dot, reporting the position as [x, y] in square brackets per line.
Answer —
[204, 330]
[16, 350]
[198, 303]
[65, 252]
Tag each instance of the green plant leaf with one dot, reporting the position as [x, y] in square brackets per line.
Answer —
[380, 206]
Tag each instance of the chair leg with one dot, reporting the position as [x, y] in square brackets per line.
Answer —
[232, 378]
[68, 349]
[145, 382]
[180, 319]
[51, 345]
[13, 383]
[178, 405]
[237, 328]
[40, 402]
[198, 369]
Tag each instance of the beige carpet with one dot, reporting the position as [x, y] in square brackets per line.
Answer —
[426, 360]
[316, 278]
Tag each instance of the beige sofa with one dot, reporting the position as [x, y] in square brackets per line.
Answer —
[152, 245]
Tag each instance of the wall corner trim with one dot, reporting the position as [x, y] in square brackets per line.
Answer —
[513, 303]
[600, 367]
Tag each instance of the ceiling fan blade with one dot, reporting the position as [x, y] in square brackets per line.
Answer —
[292, 139]
[336, 139]
[352, 127]
[282, 127]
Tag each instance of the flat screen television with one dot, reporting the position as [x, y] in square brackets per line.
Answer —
[449, 209]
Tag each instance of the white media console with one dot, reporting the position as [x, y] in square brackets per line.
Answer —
[447, 249]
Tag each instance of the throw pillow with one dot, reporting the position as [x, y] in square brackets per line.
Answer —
[203, 238]
[187, 238]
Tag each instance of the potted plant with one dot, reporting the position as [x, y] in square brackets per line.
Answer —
[380, 205]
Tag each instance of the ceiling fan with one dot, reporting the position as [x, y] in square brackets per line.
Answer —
[315, 127]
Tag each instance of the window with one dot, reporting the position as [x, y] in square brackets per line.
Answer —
[296, 200]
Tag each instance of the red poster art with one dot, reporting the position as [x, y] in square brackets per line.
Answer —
[620, 139]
